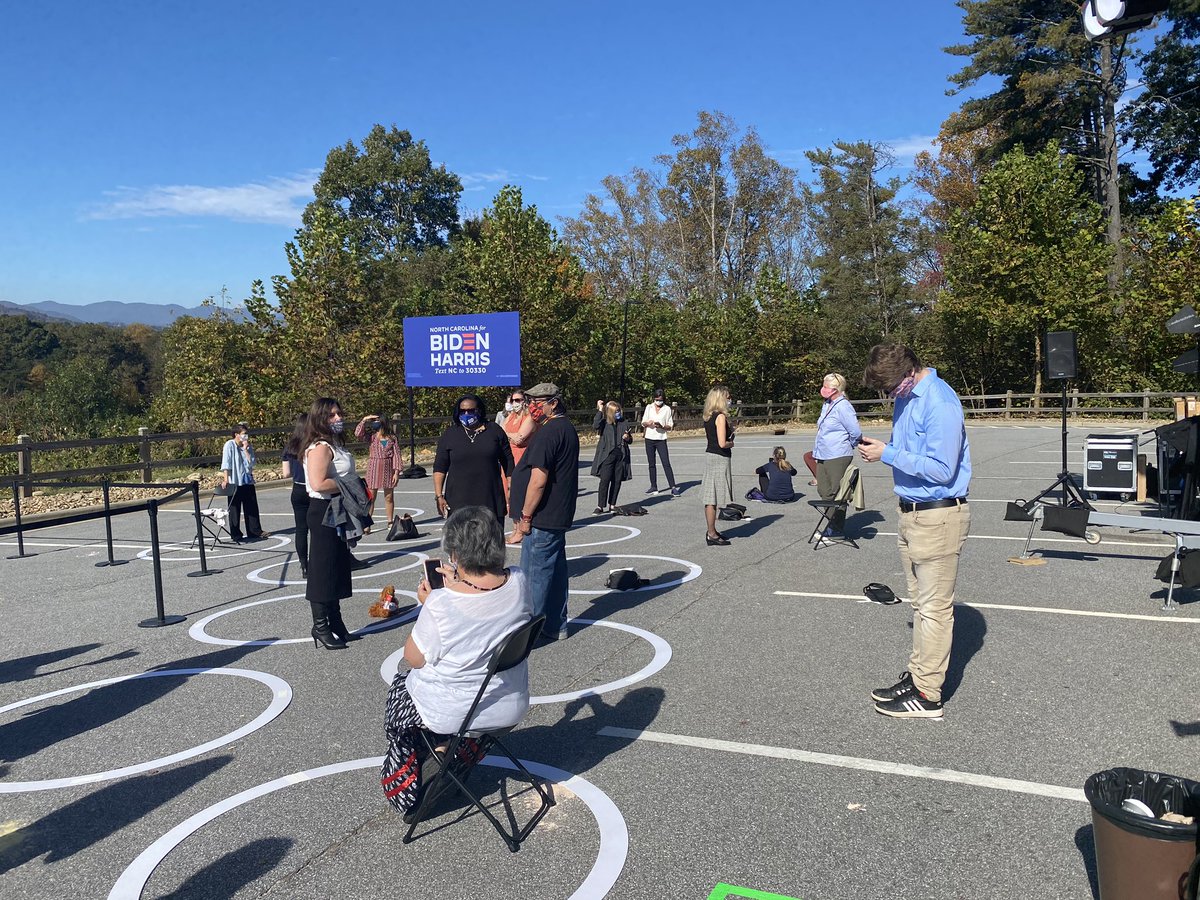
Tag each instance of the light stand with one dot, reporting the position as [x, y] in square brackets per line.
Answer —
[413, 470]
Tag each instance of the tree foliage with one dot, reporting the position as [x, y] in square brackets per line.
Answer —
[1026, 258]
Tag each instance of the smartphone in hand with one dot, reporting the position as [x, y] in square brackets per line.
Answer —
[432, 575]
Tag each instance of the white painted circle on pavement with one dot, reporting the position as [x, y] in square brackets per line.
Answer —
[191, 554]
[197, 631]
[633, 532]
[256, 575]
[281, 696]
[662, 656]
[693, 573]
[610, 860]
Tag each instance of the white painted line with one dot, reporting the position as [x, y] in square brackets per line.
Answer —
[882, 767]
[633, 532]
[662, 656]
[1042, 609]
[281, 696]
[610, 860]
[1038, 539]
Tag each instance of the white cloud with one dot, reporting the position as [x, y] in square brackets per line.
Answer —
[478, 181]
[275, 201]
[907, 148]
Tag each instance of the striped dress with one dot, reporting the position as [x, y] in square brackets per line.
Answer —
[383, 462]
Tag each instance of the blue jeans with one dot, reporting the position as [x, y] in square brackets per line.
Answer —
[544, 562]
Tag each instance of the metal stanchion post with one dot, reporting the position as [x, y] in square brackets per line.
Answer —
[108, 530]
[204, 569]
[152, 508]
[21, 554]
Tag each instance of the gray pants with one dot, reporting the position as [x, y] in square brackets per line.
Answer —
[829, 478]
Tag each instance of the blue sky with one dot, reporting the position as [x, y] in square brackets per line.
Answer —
[158, 152]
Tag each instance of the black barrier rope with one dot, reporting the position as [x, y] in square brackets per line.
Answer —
[21, 554]
[161, 619]
[108, 530]
[204, 569]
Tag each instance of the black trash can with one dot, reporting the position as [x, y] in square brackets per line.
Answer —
[1139, 857]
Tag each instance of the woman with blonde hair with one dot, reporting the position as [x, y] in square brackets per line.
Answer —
[611, 464]
[775, 477]
[717, 488]
[838, 433]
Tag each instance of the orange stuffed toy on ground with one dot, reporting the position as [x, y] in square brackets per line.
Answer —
[386, 606]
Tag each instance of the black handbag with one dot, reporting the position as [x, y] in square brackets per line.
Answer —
[403, 529]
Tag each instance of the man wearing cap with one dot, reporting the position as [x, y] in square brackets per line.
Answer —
[545, 484]
[931, 469]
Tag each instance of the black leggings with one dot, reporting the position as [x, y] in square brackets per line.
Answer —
[300, 514]
[658, 448]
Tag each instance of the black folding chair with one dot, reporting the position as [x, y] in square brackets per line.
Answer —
[455, 763]
[215, 519]
[835, 511]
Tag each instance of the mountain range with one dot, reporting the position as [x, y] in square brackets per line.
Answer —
[111, 312]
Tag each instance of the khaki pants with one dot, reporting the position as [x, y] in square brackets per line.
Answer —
[931, 542]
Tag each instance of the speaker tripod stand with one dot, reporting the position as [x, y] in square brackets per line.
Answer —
[1065, 482]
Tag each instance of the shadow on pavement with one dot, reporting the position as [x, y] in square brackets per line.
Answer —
[1086, 845]
[91, 819]
[226, 876]
[1186, 729]
[970, 627]
[27, 666]
[44, 727]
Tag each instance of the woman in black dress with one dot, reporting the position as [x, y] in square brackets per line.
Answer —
[611, 464]
[473, 459]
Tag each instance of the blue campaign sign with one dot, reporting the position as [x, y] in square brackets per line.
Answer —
[449, 351]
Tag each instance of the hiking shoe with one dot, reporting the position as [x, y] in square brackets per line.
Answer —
[899, 689]
[913, 705]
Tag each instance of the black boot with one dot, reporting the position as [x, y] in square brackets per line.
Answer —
[322, 632]
[338, 626]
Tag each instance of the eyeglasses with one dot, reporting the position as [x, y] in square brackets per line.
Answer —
[517, 399]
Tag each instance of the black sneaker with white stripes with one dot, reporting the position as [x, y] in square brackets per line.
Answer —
[903, 686]
[913, 705]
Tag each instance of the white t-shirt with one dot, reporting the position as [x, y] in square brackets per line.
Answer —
[660, 414]
[343, 464]
[456, 633]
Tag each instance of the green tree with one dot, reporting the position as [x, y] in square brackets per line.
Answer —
[518, 263]
[390, 194]
[1026, 258]
[1164, 275]
[1165, 119]
[863, 257]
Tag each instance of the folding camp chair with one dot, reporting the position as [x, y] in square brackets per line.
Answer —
[215, 519]
[835, 510]
[467, 747]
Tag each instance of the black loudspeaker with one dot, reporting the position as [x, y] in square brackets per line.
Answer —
[1060, 354]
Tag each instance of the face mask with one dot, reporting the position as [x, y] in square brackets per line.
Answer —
[827, 392]
[537, 413]
[658, 402]
[377, 425]
[469, 418]
[338, 427]
[618, 416]
[508, 407]
[904, 388]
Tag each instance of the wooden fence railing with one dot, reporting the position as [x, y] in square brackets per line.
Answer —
[145, 452]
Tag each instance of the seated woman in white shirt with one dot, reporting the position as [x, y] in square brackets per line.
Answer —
[459, 627]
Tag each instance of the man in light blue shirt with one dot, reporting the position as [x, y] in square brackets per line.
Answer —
[931, 468]
[237, 471]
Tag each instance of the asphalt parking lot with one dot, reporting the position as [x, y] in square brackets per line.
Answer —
[713, 728]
